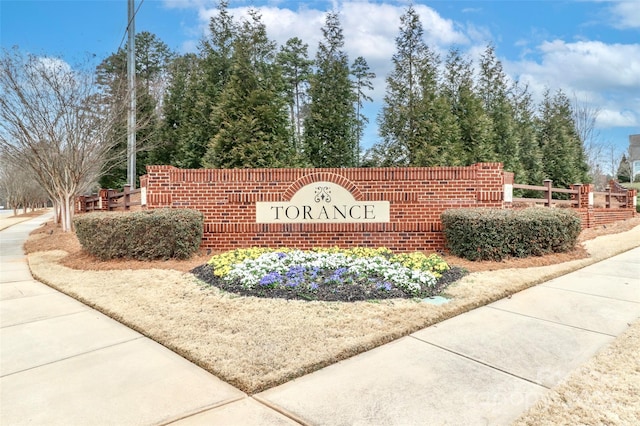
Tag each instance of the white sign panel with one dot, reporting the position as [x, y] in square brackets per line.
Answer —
[322, 202]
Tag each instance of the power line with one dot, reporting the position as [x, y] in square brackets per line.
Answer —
[129, 24]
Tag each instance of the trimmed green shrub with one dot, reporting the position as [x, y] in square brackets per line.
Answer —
[494, 234]
[143, 235]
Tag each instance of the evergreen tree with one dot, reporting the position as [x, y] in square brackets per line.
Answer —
[152, 61]
[293, 59]
[525, 133]
[564, 159]
[465, 103]
[494, 92]
[205, 88]
[363, 76]
[178, 106]
[251, 115]
[415, 124]
[623, 174]
[330, 126]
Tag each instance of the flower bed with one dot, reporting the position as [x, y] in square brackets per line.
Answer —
[327, 274]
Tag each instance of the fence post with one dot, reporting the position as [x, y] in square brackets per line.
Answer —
[577, 197]
[127, 190]
[109, 197]
[103, 202]
[607, 197]
[547, 192]
[81, 206]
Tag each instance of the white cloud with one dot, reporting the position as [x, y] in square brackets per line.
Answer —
[606, 74]
[372, 38]
[626, 14]
[53, 65]
[608, 118]
[594, 64]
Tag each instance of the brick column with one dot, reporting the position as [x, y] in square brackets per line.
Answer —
[104, 199]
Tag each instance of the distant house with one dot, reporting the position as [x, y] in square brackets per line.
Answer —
[634, 155]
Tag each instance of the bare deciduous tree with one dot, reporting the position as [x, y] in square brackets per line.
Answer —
[585, 114]
[54, 122]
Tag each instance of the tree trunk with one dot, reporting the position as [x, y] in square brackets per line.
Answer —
[68, 216]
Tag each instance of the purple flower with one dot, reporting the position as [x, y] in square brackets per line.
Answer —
[386, 286]
[271, 279]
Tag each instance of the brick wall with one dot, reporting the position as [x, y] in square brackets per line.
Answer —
[417, 197]
[595, 217]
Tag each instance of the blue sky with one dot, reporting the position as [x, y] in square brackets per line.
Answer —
[589, 49]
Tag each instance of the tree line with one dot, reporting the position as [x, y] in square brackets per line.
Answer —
[241, 101]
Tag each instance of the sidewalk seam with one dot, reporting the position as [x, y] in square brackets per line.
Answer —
[493, 367]
[86, 308]
[200, 410]
[555, 322]
[280, 410]
[73, 356]
[590, 294]
[81, 309]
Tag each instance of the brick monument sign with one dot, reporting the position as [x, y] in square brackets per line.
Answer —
[398, 208]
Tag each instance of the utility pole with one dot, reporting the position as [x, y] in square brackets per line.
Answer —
[131, 78]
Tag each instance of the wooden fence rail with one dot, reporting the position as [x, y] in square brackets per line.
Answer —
[615, 195]
[548, 190]
[109, 200]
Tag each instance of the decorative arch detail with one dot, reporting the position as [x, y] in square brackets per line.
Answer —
[323, 177]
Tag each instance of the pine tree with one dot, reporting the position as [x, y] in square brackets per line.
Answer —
[494, 92]
[525, 133]
[251, 115]
[293, 59]
[465, 103]
[330, 126]
[623, 173]
[205, 87]
[415, 125]
[153, 57]
[564, 159]
[362, 76]
[178, 106]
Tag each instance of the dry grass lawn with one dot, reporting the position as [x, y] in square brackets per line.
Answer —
[604, 391]
[256, 344]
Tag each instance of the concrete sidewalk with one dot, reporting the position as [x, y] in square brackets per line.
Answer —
[64, 363]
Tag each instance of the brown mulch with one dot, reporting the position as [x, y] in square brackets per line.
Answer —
[50, 237]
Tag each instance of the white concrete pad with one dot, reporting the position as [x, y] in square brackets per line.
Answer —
[246, 412]
[613, 268]
[11, 249]
[406, 382]
[35, 308]
[594, 313]
[133, 383]
[13, 263]
[38, 343]
[632, 256]
[537, 350]
[620, 288]
[12, 258]
[18, 289]
[16, 275]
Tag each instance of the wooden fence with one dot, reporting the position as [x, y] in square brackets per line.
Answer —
[614, 196]
[110, 200]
